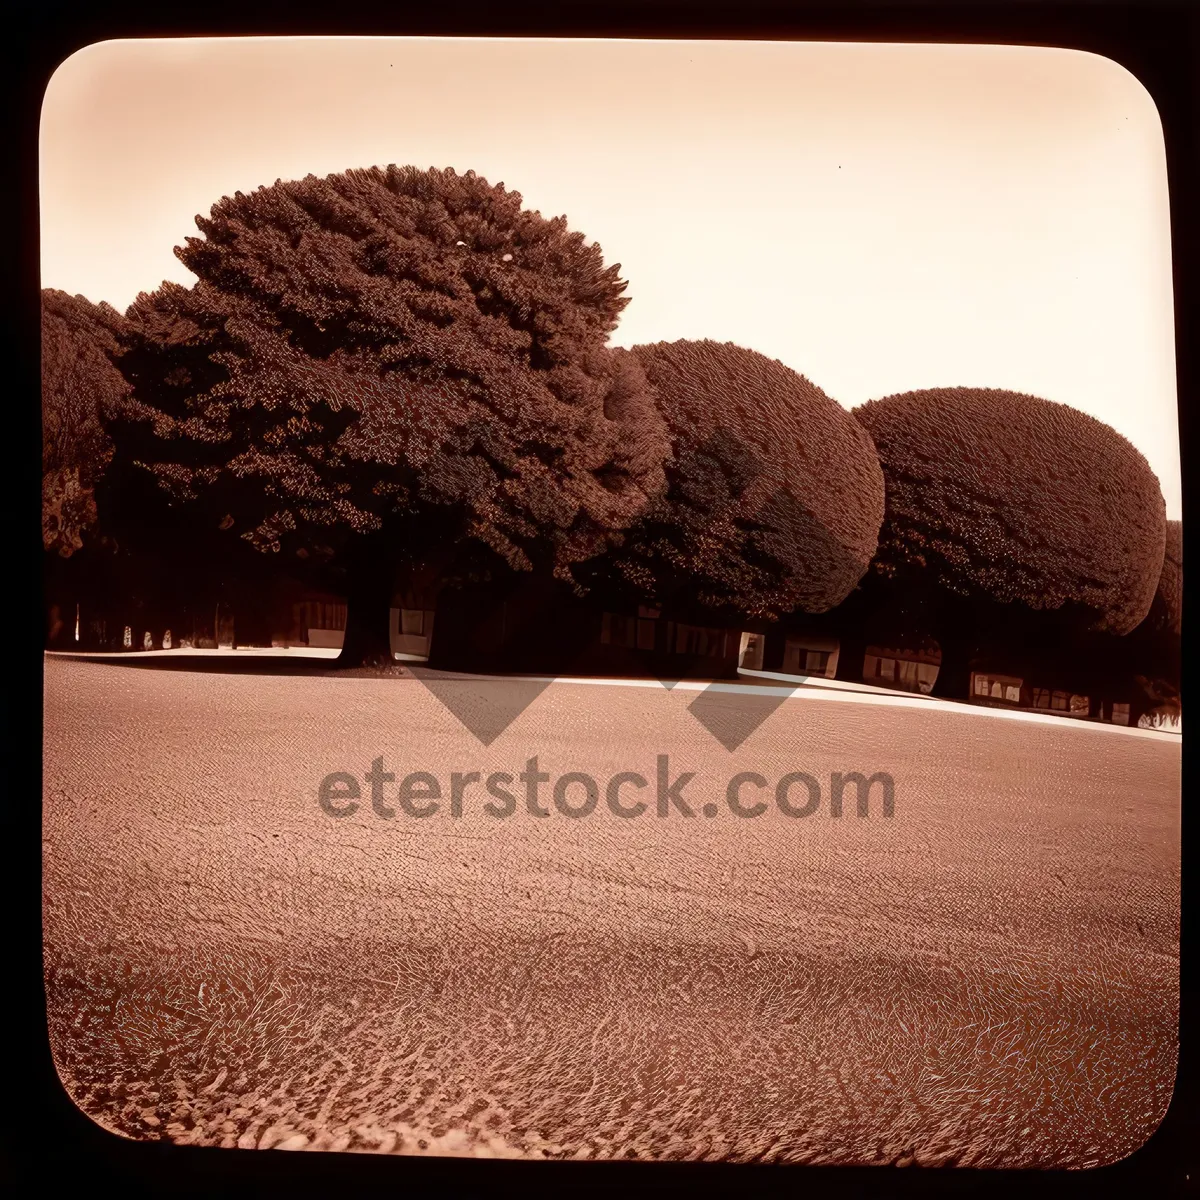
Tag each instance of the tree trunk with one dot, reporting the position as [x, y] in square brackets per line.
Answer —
[852, 648]
[367, 641]
[954, 674]
[56, 628]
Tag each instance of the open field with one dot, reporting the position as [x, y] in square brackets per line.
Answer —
[990, 976]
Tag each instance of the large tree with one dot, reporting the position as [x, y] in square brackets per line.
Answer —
[78, 381]
[775, 494]
[1005, 505]
[392, 370]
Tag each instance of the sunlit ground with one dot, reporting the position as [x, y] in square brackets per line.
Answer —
[989, 976]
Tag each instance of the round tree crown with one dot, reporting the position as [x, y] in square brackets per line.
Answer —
[384, 343]
[1017, 499]
[775, 495]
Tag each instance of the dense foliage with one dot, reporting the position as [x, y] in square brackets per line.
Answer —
[1003, 497]
[78, 381]
[393, 350]
[775, 494]
[1167, 609]
[1154, 650]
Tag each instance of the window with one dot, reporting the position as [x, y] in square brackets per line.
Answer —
[1120, 714]
[618, 630]
[908, 675]
[926, 677]
[412, 620]
[816, 661]
[640, 630]
[751, 648]
[793, 658]
[318, 614]
[1041, 697]
[1060, 701]
[694, 639]
[887, 668]
[993, 687]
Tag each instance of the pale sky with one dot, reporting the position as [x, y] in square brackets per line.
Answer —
[878, 217]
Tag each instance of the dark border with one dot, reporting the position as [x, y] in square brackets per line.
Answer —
[43, 1137]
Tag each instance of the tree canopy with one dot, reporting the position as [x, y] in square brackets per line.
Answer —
[1153, 649]
[1166, 611]
[78, 382]
[1010, 498]
[775, 494]
[397, 352]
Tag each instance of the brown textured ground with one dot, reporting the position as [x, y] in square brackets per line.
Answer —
[990, 977]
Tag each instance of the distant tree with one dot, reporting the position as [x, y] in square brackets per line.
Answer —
[392, 370]
[775, 494]
[1154, 649]
[1007, 505]
[78, 380]
[1166, 609]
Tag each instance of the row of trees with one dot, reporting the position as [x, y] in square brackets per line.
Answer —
[395, 377]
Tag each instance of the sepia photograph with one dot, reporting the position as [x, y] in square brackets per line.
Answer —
[611, 599]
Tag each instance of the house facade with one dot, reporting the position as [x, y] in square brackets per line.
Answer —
[1043, 693]
[539, 626]
[811, 654]
[903, 668]
[319, 620]
[649, 641]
